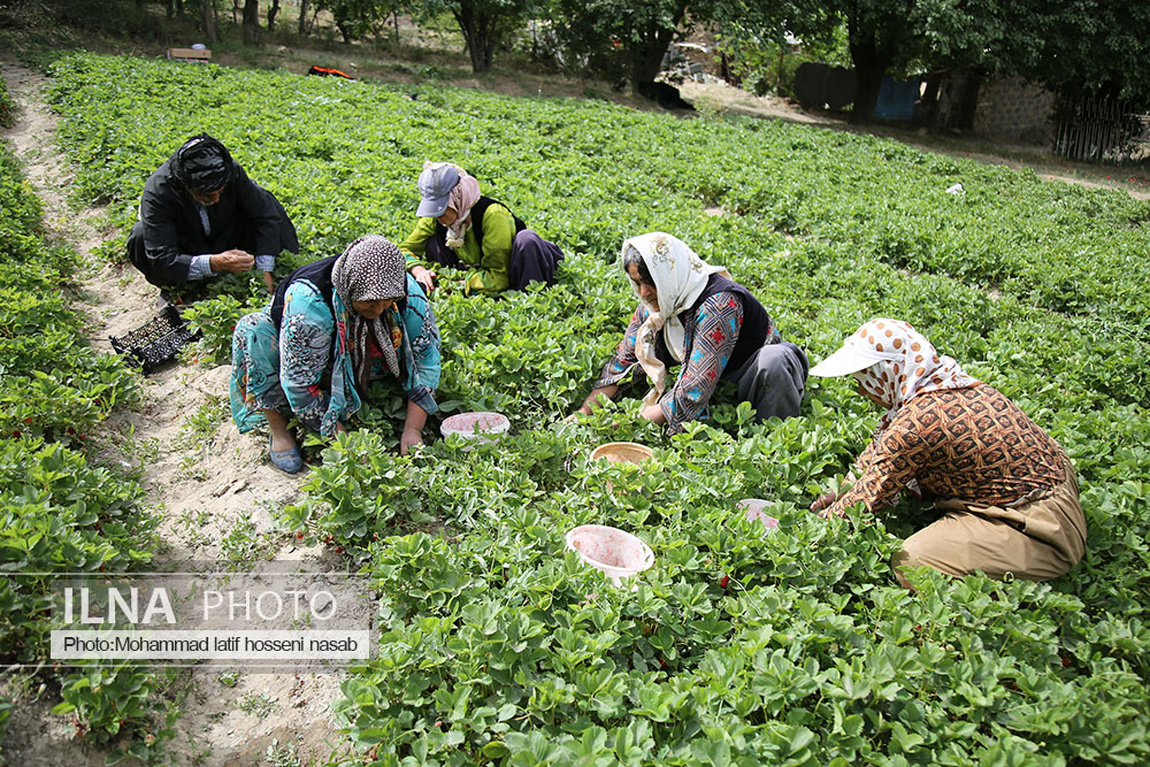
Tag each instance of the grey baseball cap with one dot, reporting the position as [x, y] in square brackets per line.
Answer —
[435, 185]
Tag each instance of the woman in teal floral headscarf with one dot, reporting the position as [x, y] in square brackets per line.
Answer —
[334, 326]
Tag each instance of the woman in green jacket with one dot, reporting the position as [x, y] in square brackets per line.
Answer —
[461, 228]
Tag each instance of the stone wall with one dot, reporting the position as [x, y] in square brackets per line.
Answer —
[1013, 109]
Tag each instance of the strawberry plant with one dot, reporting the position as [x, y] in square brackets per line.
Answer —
[121, 704]
[498, 645]
[7, 107]
[60, 511]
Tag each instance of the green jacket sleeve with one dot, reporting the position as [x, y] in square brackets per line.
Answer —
[495, 260]
[415, 246]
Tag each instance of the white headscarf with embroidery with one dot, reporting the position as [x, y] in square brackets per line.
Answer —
[909, 365]
[680, 277]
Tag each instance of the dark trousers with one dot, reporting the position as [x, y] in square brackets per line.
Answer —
[169, 275]
[773, 380]
[533, 259]
[138, 255]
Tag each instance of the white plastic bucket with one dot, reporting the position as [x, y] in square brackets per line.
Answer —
[617, 553]
[479, 427]
[754, 509]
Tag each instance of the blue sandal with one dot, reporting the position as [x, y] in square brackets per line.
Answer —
[288, 461]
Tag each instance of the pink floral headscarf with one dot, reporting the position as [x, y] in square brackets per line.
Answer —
[908, 365]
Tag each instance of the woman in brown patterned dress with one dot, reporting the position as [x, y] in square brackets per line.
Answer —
[1007, 491]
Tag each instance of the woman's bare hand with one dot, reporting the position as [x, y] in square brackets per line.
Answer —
[823, 502]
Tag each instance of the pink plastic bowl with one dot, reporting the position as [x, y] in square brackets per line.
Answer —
[617, 553]
[479, 427]
[754, 510]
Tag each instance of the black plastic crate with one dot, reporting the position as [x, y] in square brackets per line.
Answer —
[156, 342]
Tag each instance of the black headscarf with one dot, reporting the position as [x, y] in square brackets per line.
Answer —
[202, 164]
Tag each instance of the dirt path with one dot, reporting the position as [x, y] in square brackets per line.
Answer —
[211, 486]
[726, 98]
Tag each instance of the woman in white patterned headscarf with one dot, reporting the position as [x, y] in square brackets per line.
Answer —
[691, 314]
[334, 326]
[1008, 493]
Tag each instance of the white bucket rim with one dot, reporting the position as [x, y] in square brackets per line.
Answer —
[596, 452]
[648, 554]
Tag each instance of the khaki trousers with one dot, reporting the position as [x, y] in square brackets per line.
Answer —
[1035, 541]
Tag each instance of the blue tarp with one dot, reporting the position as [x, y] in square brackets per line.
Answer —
[896, 98]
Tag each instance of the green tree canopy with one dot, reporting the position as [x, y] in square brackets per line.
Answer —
[1074, 48]
[357, 18]
[1080, 47]
[641, 31]
[882, 35]
[484, 23]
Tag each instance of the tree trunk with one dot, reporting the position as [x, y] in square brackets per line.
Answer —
[929, 106]
[344, 26]
[871, 62]
[647, 60]
[645, 64]
[208, 19]
[252, 22]
[866, 93]
[970, 101]
[275, 9]
[171, 9]
[478, 33]
[647, 56]
[303, 17]
[490, 39]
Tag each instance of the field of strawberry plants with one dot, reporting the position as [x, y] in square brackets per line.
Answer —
[798, 647]
[60, 510]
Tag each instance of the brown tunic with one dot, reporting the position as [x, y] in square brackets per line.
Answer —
[970, 444]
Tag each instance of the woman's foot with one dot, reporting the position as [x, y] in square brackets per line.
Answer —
[288, 461]
[282, 441]
[282, 448]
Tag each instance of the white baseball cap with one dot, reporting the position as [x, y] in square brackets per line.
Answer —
[851, 358]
